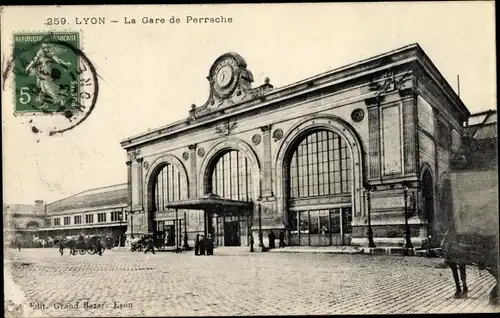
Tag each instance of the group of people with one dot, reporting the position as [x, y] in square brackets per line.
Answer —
[272, 237]
[204, 245]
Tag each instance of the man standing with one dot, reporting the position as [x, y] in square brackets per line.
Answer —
[99, 247]
[18, 241]
[282, 238]
[197, 245]
[271, 237]
[61, 247]
[150, 246]
[210, 245]
[202, 245]
[251, 241]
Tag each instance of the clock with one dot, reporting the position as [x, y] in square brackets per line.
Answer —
[224, 76]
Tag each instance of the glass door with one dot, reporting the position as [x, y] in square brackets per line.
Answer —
[346, 226]
[335, 227]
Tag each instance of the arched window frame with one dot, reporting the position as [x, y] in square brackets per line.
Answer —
[167, 186]
[320, 165]
[230, 176]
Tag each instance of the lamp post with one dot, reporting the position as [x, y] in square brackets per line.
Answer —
[131, 222]
[121, 213]
[261, 242]
[186, 244]
[408, 243]
[369, 203]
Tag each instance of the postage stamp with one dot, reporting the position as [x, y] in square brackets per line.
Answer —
[53, 76]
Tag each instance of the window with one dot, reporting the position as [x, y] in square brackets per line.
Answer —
[101, 217]
[49, 222]
[57, 221]
[444, 135]
[89, 218]
[320, 165]
[67, 220]
[231, 177]
[116, 216]
[167, 186]
[77, 219]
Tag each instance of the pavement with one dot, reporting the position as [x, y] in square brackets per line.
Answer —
[235, 282]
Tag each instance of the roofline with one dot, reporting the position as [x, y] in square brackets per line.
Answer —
[128, 142]
[88, 190]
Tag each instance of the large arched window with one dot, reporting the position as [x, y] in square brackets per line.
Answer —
[32, 225]
[167, 186]
[320, 165]
[231, 177]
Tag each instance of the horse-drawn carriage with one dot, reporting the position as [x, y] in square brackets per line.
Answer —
[84, 244]
[161, 240]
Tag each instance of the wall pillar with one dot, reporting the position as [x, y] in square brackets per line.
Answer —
[266, 174]
[193, 182]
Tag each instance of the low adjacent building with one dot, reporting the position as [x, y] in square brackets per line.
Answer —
[98, 211]
[473, 205]
[23, 220]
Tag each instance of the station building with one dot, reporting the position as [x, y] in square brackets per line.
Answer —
[303, 158]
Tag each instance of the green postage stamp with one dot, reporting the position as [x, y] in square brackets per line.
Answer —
[53, 76]
[47, 72]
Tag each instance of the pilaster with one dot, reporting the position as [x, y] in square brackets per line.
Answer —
[193, 176]
[266, 162]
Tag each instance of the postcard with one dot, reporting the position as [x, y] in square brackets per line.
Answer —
[249, 159]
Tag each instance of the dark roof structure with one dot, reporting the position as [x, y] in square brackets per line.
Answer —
[100, 197]
[479, 143]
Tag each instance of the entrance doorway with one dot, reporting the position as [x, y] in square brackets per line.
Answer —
[428, 207]
[321, 227]
[232, 233]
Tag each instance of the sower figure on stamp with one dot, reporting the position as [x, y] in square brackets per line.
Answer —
[271, 237]
[197, 245]
[47, 76]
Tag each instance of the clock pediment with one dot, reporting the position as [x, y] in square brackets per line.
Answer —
[230, 83]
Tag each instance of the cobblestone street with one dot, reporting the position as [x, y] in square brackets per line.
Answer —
[234, 282]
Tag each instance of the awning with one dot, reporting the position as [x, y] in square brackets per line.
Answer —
[208, 202]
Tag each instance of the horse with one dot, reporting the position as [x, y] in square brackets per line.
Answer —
[478, 250]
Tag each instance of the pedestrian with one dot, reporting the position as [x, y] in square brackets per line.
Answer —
[282, 239]
[210, 245]
[19, 245]
[197, 245]
[99, 247]
[151, 246]
[250, 242]
[271, 237]
[61, 247]
[202, 245]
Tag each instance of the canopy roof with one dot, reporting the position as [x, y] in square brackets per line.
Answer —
[210, 201]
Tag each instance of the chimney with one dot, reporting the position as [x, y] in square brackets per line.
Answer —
[39, 207]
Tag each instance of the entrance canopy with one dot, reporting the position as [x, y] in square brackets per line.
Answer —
[208, 202]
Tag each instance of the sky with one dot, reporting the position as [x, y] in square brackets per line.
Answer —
[151, 74]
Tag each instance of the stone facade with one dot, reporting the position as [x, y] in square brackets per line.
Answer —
[389, 110]
[23, 220]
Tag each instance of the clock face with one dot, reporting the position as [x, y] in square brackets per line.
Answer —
[224, 76]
